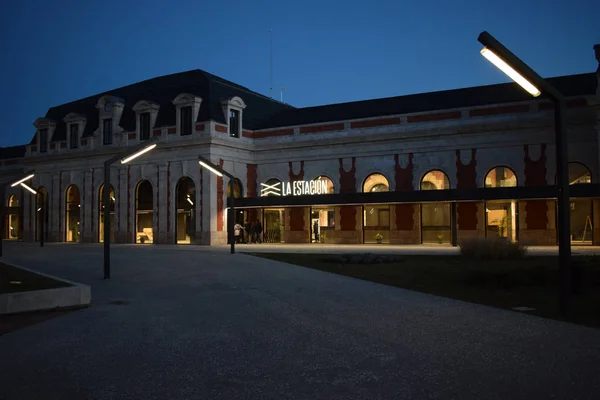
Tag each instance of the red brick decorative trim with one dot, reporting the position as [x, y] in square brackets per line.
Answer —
[571, 103]
[118, 203]
[220, 128]
[131, 136]
[510, 109]
[63, 145]
[199, 127]
[52, 146]
[84, 142]
[92, 202]
[172, 131]
[59, 202]
[201, 191]
[128, 203]
[168, 197]
[220, 200]
[300, 175]
[434, 117]
[375, 122]
[404, 176]
[251, 177]
[322, 128]
[156, 132]
[270, 133]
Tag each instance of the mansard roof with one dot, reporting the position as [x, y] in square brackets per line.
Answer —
[162, 90]
[263, 113]
[571, 85]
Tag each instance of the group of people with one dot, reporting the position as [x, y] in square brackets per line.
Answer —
[251, 232]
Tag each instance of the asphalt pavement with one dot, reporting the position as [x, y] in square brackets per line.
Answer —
[178, 322]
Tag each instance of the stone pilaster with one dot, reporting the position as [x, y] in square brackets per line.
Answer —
[162, 190]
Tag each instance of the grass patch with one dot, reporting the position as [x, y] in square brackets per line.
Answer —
[13, 280]
[523, 282]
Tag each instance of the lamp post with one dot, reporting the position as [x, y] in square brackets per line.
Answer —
[3, 199]
[124, 158]
[529, 80]
[231, 218]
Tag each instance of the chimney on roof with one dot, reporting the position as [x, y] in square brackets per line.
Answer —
[597, 52]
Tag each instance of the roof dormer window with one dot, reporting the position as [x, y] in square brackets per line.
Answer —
[73, 136]
[107, 131]
[234, 123]
[145, 126]
[146, 113]
[75, 125]
[185, 123]
[187, 106]
[43, 140]
[233, 109]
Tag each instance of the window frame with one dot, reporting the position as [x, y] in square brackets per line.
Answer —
[107, 137]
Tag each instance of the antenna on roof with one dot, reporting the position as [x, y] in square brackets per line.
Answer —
[271, 56]
[282, 90]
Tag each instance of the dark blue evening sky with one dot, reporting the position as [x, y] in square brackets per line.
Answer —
[324, 51]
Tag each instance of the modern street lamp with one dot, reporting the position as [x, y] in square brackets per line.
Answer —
[3, 205]
[124, 158]
[231, 218]
[517, 70]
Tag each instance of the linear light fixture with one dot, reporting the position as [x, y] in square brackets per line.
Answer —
[22, 180]
[139, 153]
[508, 70]
[28, 188]
[211, 169]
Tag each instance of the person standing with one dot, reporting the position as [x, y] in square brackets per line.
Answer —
[247, 228]
[237, 231]
[258, 231]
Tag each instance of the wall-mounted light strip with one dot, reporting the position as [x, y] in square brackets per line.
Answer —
[139, 153]
[28, 188]
[211, 169]
[22, 180]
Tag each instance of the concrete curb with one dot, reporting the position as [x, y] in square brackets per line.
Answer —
[77, 295]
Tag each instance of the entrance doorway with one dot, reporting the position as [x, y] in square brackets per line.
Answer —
[273, 225]
[322, 224]
[501, 219]
[185, 204]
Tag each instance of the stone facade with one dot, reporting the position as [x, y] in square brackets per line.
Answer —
[464, 143]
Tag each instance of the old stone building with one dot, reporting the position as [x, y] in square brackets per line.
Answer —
[409, 169]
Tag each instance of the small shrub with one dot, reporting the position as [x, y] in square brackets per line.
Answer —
[492, 249]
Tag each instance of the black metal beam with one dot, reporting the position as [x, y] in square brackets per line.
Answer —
[420, 196]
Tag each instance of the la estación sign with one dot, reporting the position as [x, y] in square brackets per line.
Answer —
[296, 188]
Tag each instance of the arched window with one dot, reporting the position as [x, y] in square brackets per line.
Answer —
[579, 173]
[238, 190]
[501, 215]
[581, 208]
[330, 186]
[376, 219]
[73, 213]
[500, 177]
[144, 212]
[376, 183]
[272, 187]
[112, 202]
[435, 180]
[14, 216]
[435, 217]
[186, 211]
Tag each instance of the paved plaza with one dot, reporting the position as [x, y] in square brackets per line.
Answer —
[179, 322]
